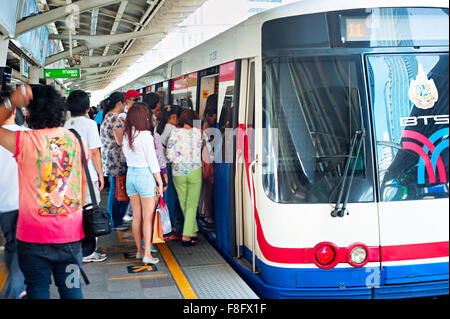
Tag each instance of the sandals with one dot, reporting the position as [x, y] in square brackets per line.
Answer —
[189, 243]
[147, 260]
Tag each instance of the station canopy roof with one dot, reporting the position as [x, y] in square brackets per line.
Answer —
[105, 29]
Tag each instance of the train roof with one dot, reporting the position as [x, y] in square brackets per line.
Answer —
[243, 40]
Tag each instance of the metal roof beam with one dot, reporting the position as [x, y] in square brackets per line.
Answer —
[93, 42]
[102, 69]
[97, 41]
[59, 14]
[119, 14]
[93, 60]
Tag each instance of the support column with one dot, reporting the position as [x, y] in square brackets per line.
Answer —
[3, 50]
[35, 74]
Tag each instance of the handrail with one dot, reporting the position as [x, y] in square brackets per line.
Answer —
[252, 195]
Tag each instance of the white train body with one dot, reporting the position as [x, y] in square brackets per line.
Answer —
[400, 221]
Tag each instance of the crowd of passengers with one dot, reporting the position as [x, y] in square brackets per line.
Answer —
[44, 187]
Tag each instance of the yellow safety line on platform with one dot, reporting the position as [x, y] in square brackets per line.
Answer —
[3, 275]
[137, 277]
[177, 273]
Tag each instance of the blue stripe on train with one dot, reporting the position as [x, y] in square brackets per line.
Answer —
[222, 204]
[392, 282]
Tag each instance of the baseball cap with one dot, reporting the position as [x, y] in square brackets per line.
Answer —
[132, 93]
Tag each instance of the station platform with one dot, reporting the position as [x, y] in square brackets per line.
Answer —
[197, 272]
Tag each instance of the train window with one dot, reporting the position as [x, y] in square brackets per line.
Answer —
[409, 97]
[226, 122]
[311, 111]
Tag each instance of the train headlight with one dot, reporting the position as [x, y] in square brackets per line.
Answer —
[357, 255]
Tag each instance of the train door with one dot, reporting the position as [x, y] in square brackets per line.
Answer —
[409, 97]
[224, 157]
[245, 155]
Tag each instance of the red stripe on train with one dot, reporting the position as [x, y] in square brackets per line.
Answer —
[306, 255]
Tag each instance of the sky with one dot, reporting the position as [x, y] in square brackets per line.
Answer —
[218, 16]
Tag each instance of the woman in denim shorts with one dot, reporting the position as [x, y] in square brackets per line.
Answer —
[142, 178]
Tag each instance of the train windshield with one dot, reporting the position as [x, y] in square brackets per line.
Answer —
[409, 99]
[312, 110]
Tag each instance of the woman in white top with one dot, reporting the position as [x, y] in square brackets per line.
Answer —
[143, 170]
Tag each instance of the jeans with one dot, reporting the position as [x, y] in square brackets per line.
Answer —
[8, 224]
[116, 208]
[39, 261]
[173, 205]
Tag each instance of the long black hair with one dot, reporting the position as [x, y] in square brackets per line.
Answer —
[167, 111]
[47, 109]
[111, 101]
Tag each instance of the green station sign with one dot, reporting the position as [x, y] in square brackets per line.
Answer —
[62, 73]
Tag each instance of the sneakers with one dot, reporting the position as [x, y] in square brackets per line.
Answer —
[95, 257]
[121, 228]
[127, 218]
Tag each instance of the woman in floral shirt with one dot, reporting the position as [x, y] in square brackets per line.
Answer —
[111, 132]
[184, 152]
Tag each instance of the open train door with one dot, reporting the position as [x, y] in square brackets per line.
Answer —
[244, 157]
[224, 156]
[409, 101]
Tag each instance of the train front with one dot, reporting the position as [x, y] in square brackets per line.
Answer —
[352, 177]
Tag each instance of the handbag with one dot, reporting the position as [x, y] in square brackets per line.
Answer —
[96, 219]
[158, 237]
[164, 216]
[121, 187]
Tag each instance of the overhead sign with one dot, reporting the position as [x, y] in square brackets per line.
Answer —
[62, 73]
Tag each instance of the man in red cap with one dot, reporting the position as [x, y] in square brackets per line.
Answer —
[131, 97]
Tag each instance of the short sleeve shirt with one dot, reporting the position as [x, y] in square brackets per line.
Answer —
[184, 151]
[111, 150]
[88, 131]
[50, 186]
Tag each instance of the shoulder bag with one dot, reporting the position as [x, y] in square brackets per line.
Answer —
[96, 219]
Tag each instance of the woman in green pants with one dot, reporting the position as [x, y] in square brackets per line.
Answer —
[184, 152]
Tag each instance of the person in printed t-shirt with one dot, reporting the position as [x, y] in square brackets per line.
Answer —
[52, 188]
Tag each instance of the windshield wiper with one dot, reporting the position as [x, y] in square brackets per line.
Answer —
[337, 210]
